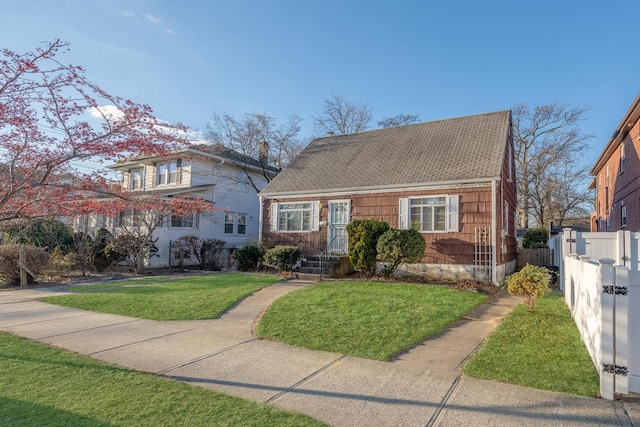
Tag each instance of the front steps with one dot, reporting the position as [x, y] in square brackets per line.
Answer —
[316, 268]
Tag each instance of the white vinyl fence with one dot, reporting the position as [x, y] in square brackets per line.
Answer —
[600, 277]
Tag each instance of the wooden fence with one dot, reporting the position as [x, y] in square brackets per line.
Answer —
[539, 256]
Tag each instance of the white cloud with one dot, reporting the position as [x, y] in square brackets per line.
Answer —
[128, 14]
[109, 111]
[153, 19]
[169, 31]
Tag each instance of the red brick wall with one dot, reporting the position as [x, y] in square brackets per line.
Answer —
[623, 187]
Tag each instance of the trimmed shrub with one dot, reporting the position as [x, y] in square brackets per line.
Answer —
[363, 240]
[535, 238]
[282, 258]
[36, 259]
[248, 257]
[531, 281]
[398, 246]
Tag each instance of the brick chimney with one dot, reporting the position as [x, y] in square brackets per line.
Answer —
[263, 152]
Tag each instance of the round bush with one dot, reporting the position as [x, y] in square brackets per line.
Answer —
[282, 258]
[535, 238]
[248, 257]
[531, 281]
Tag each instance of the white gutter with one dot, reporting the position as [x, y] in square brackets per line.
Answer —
[260, 218]
[494, 235]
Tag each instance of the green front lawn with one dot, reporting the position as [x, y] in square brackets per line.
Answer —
[159, 298]
[541, 350]
[375, 320]
[43, 386]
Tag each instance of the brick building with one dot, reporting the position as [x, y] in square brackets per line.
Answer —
[617, 177]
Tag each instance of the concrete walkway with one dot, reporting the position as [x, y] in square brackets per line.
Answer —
[421, 387]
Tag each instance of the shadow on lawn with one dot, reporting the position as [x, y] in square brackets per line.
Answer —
[19, 412]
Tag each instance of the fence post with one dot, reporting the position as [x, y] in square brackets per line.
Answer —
[621, 328]
[607, 354]
[565, 250]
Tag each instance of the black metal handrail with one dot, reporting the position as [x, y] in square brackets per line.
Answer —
[325, 253]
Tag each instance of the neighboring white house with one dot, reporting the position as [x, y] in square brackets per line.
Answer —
[218, 175]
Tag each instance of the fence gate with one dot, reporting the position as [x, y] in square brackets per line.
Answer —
[482, 253]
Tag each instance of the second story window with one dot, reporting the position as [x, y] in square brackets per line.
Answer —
[168, 172]
[622, 158]
[136, 179]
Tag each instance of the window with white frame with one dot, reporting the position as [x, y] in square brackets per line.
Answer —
[606, 182]
[622, 158]
[241, 223]
[183, 221]
[235, 223]
[228, 222]
[168, 172]
[295, 217]
[137, 179]
[429, 213]
[623, 215]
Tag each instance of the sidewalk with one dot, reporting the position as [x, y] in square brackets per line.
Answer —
[421, 387]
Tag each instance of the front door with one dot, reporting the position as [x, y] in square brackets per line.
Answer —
[339, 218]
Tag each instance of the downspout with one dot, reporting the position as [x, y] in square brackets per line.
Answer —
[494, 233]
[260, 218]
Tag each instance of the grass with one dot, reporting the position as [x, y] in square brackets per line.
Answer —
[541, 350]
[161, 298]
[375, 320]
[41, 385]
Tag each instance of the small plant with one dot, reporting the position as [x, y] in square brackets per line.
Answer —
[248, 257]
[535, 238]
[282, 258]
[531, 281]
[363, 240]
[398, 246]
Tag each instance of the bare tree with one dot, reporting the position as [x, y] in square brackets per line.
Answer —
[257, 137]
[551, 171]
[340, 116]
[398, 120]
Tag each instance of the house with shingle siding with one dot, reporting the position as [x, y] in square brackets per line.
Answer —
[453, 179]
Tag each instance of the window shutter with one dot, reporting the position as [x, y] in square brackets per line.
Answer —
[315, 216]
[453, 219]
[179, 171]
[154, 174]
[274, 216]
[403, 214]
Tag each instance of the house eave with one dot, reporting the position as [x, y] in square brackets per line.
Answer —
[476, 182]
[631, 117]
[146, 160]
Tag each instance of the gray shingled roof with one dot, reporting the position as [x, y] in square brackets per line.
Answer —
[445, 151]
[234, 156]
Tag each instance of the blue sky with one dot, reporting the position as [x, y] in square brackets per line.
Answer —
[438, 59]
